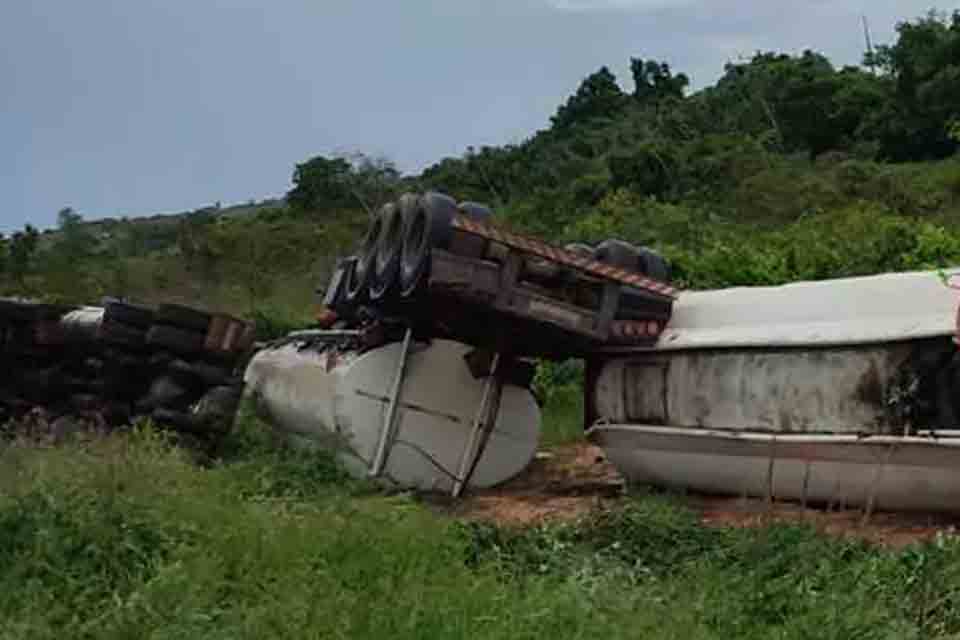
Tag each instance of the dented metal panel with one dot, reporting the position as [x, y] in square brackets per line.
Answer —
[876, 472]
[339, 399]
[645, 390]
[780, 390]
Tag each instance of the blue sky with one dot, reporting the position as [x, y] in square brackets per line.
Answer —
[129, 107]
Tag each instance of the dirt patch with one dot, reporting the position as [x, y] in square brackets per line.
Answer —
[562, 484]
[569, 482]
[888, 529]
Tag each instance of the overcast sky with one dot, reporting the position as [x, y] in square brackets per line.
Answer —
[127, 107]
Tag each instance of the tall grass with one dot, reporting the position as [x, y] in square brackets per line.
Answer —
[559, 387]
[125, 538]
[563, 416]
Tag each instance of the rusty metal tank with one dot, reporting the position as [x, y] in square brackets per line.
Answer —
[841, 392]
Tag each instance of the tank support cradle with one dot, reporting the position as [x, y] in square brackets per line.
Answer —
[389, 423]
[483, 425]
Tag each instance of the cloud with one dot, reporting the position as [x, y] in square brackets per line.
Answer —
[618, 5]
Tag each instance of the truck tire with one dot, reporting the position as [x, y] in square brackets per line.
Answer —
[638, 259]
[440, 211]
[407, 204]
[177, 420]
[357, 284]
[617, 253]
[428, 225]
[415, 255]
[335, 294]
[653, 265]
[218, 407]
[467, 244]
[388, 254]
[415, 252]
[181, 317]
[476, 210]
[580, 249]
[207, 374]
[121, 335]
[129, 314]
[165, 392]
[176, 339]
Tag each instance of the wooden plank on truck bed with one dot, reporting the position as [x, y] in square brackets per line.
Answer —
[566, 258]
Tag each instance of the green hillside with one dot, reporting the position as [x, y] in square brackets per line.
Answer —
[786, 168]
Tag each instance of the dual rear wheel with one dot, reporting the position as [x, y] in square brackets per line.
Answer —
[394, 258]
[393, 261]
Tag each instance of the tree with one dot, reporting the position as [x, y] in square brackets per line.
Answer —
[193, 242]
[342, 182]
[924, 64]
[23, 245]
[646, 169]
[67, 217]
[802, 103]
[4, 254]
[653, 81]
[372, 180]
[76, 241]
[599, 96]
[134, 239]
[321, 184]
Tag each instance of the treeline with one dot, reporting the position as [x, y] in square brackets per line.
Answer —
[902, 105]
[786, 168]
[263, 265]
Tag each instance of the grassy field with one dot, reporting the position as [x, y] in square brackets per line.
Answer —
[126, 538]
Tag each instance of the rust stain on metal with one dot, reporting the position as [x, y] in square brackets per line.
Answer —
[780, 390]
[870, 390]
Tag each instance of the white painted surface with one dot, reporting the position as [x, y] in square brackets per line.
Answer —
[345, 403]
[889, 472]
[888, 307]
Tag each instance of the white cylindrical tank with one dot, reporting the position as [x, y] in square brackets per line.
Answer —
[340, 399]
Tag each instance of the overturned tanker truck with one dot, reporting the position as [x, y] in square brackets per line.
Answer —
[839, 392]
[422, 376]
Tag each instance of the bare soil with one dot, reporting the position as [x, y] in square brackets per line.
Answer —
[564, 483]
[568, 482]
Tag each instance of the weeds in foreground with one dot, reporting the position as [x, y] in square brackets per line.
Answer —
[126, 538]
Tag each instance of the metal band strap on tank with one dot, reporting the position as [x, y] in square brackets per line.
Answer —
[543, 250]
[387, 430]
[483, 424]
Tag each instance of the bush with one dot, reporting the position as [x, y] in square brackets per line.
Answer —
[272, 323]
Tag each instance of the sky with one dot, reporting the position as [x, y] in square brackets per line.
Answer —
[132, 107]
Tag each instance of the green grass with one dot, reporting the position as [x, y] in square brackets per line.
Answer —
[125, 538]
[563, 416]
